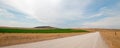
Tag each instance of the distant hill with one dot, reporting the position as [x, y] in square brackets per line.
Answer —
[45, 27]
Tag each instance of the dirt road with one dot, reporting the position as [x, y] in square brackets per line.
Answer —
[91, 40]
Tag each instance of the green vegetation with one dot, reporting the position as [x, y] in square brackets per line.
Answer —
[19, 30]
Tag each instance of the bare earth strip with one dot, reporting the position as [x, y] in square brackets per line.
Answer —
[90, 40]
[8, 39]
[111, 36]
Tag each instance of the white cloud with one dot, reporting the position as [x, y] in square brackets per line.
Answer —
[60, 12]
[13, 23]
[112, 21]
[51, 12]
[6, 14]
[26, 6]
[10, 23]
[104, 11]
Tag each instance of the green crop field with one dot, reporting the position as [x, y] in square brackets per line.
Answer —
[20, 30]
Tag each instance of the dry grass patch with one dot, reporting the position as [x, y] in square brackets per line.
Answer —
[7, 39]
[111, 36]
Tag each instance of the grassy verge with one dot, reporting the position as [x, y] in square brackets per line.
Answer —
[17, 30]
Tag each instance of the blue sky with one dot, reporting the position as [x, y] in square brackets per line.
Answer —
[60, 13]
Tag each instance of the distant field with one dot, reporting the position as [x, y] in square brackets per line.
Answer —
[19, 30]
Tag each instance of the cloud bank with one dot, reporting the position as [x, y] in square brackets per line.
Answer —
[69, 13]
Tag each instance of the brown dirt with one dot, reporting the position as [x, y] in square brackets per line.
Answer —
[111, 36]
[7, 39]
